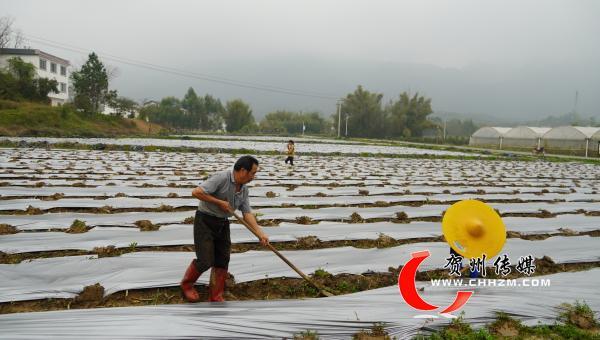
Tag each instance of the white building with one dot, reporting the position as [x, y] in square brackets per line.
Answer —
[111, 111]
[46, 65]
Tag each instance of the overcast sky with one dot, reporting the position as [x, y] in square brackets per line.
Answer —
[504, 58]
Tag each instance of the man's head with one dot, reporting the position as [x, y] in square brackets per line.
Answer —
[291, 142]
[245, 169]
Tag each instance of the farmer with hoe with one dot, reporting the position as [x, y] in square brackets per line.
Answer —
[220, 195]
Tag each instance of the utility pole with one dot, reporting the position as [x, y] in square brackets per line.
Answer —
[444, 134]
[339, 105]
[303, 126]
[347, 116]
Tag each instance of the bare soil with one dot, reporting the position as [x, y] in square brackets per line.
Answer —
[304, 243]
[264, 289]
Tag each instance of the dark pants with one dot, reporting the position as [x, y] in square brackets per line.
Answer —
[212, 241]
[290, 159]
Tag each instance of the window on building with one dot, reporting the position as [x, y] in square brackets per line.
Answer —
[53, 67]
[42, 64]
[63, 70]
[63, 87]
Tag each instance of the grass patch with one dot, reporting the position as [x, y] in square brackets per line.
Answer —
[31, 210]
[32, 119]
[307, 335]
[146, 225]
[579, 315]
[6, 229]
[505, 326]
[576, 322]
[377, 332]
[267, 223]
[321, 273]
[459, 329]
[385, 241]
[308, 242]
[402, 216]
[305, 220]
[77, 227]
[55, 197]
[356, 218]
[108, 251]
[165, 208]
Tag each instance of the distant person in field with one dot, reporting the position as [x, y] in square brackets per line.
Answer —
[291, 150]
[220, 195]
[539, 150]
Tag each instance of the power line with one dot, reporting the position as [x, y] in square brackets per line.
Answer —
[183, 73]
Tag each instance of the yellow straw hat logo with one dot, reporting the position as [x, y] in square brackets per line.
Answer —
[473, 228]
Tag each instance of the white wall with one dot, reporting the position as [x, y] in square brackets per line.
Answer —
[55, 98]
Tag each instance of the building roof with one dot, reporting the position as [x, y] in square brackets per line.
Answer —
[588, 131]
[490, 132]
[571, 132]
[526, 132]
[27, 51]
[150, 102]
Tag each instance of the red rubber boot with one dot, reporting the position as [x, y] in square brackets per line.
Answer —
[187, 283]
[216, 288]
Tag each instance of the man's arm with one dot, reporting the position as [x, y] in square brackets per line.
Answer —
[203, 196]
[251, 220]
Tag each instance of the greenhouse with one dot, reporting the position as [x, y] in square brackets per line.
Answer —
[488, 136]
[524, 137]
[571, 138]
[594, 148]
[581, 140]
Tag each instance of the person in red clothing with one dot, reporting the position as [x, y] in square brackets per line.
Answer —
[220, 195]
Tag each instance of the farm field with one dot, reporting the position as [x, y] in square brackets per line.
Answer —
[93, 237]
[324, 146]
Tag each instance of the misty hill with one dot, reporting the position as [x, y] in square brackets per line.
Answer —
[490, 92]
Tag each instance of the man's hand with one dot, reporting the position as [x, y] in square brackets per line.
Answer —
[264, 239]
[201, 195]
[250, 221]
[224, 205]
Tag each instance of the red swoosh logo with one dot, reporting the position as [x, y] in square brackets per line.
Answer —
[408, 290]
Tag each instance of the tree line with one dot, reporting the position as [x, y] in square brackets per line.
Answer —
[207, 113]
[362, 111]
[368, 116]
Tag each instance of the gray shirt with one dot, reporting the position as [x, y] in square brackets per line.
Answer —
[222, 186]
